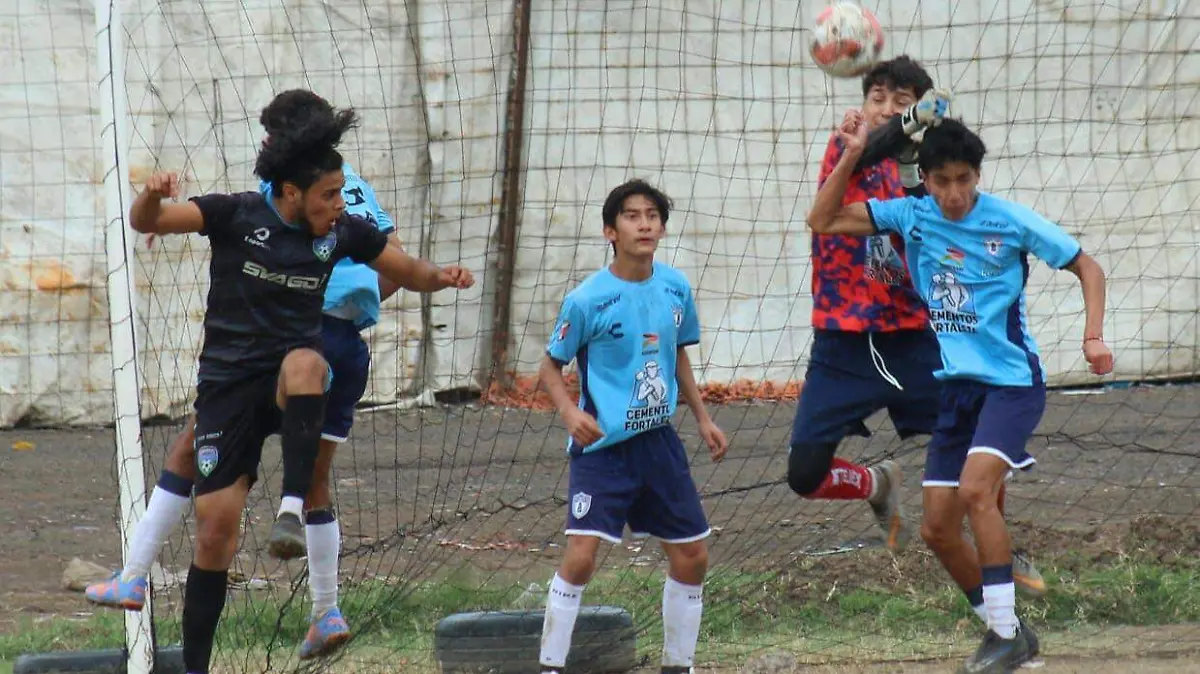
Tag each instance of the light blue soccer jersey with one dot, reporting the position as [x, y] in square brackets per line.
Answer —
[972, 276]
[624, 336]
[353, 290]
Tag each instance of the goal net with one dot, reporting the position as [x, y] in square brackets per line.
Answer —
[494, 148]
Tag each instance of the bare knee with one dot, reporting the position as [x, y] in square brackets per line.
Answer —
[216, 541]
[688, 561]
[977, 494]
[939, 535]
[303, 370]
[579, 562]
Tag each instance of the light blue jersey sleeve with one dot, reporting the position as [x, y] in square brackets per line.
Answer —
[1046, 240]
[893, 215]
[570, 332]
[689, 327]
[361, 201]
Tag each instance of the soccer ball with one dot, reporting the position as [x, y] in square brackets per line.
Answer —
[847, 40]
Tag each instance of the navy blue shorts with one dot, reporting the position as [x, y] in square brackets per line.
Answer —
[852, 375]
[977, 418]
[643, 482]
[349, 363]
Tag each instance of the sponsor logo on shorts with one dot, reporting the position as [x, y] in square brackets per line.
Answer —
[206, 460]
[581, 504]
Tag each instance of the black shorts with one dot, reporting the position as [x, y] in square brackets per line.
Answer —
[233, 420]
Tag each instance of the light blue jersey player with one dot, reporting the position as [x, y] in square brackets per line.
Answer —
[627, 327]
[972, 258]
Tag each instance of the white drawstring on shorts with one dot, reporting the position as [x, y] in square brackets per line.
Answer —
[880, 365]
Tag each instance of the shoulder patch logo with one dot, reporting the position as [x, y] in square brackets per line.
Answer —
[324, 246]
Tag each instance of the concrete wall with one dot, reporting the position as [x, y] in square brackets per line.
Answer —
[1089, 113]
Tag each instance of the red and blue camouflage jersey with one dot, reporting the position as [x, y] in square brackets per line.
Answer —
[861, 283]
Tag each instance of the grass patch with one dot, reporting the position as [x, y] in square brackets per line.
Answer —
[745, 613]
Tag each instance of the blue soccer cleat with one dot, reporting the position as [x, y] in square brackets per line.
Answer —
[118, 592]
[327, 633]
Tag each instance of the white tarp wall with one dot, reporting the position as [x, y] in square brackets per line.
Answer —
[1089, 111]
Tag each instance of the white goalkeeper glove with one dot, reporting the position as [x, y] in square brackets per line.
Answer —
[906, 158]
[933, 107]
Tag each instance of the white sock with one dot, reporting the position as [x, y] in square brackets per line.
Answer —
[561, 611]
[163, 516]
[981, 611]
[323, 541]
[682, 608]
[1001, 603]
[293, 505]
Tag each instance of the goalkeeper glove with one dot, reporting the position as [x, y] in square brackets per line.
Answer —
[933, 107]
[910, 174]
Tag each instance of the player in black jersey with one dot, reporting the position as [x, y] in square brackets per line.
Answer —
[261, 369]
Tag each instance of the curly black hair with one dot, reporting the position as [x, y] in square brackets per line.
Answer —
[901, 72]
[951, 141]
[291, 106]
[303, 134]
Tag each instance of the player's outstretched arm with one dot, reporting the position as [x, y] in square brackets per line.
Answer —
[581, 426]
[149, 215]
[713, 436]
[387, 287]
[419, 275]
[1092, 282]
[827, 215]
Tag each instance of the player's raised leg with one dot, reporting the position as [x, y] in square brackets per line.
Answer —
[833, 403]
[350, 361]
[168, 504]
[303, 380]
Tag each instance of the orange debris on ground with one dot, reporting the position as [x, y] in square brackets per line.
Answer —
[525, 392]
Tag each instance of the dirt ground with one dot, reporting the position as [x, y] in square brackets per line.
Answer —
[476, 493]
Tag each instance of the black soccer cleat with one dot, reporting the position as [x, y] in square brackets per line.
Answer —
[998, 656]
[287, 537]
[677, 670]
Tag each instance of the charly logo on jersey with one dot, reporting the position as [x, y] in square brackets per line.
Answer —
[648, 407]
[259, 237]
[882, 262]
[206, 460]
[324, 246]
[581, 504]
[951, 307]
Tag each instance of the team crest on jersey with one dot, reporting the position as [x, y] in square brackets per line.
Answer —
[206, 460]
[993, 246]
[324, 246]
[581, 503]
[677, 314]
